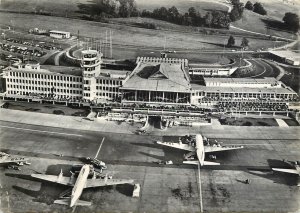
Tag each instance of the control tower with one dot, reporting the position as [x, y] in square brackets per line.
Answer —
[91, 64]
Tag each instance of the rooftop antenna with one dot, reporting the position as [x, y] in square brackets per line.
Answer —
[100, 43]
[165, 43]
[110, 43]
[105, 42]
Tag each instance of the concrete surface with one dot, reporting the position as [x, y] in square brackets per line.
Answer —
[164, 188]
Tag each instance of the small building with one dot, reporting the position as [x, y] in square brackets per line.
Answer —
[286, 56]
[59, 34]
[38, 31]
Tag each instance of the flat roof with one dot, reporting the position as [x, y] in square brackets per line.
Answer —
[270, 80]
[58, 31]
[50, 69]
[280, 90]
[161, 77]
[109, 73]
[286, 54]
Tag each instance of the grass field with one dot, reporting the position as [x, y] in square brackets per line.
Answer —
[250, 21]
[277, 8]
[249, 121]
[127, 35]
[182, 5]
[70, 7]
[270, 23]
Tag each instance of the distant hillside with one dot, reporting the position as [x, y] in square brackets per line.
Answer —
[70, 7]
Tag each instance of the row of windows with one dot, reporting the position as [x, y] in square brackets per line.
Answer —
[112, 89]
[89, 69]
[43, 89]
[46, 77]
[205, 71]
[44, 83]
[45, 95]
[109, 95]
[109, 82]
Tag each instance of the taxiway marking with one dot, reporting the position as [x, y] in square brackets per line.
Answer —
[99, 147]
[200, 190]
[43, 131]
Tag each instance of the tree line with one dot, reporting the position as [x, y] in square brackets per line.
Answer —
[192, 17]
[257, 8]
[231, 42]
[290, 20]
[99, 9]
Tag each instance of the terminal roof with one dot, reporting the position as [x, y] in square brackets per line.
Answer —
[269, 80]
[161, 77]
[275, 90]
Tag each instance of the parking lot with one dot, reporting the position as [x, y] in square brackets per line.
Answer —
[19, 44]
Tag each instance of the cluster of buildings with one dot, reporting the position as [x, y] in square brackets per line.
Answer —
[153, 82]
[52, 33]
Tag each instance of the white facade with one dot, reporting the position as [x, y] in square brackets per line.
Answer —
[30, 81]
[59, 34]
[243, 82]
[99, 85]
[211, 71]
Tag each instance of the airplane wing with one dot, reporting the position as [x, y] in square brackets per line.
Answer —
[66, 201]
[13, 161]
[291, 171]
[208, 149]
[177, 145]
[91, 183]
[68, 181]
[205, 163]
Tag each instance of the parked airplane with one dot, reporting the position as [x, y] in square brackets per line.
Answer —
[79, 184]
[199, 150]
[6, 159]
[295, 170]
[94, 161]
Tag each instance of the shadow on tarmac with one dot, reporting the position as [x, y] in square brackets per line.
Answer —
[158, 157]
[147, 145]
[125, 189]
[49, 192]
[277, 177]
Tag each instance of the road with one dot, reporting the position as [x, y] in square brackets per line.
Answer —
[261, 69]
[165, 188]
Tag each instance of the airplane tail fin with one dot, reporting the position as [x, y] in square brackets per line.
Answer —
[83, 203]
[205, 163]
[190, 162]
[66, 201]
[209, 163]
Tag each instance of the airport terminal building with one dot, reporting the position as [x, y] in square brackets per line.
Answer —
[154, 81]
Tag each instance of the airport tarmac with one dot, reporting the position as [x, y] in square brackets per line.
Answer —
[164, 188]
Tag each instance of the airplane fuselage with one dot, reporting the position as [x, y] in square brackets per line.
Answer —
[297, 167]
[200, 149]
[79, 184]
